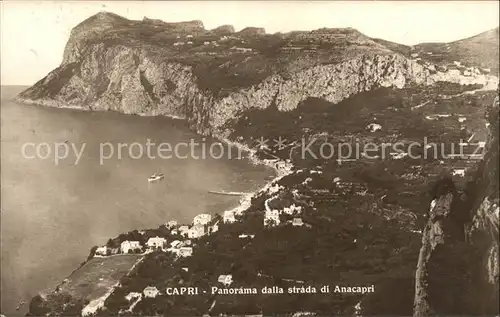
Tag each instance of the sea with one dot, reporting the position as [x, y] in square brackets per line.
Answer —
[56, 205]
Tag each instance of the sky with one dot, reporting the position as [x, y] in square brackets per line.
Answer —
[34, 33]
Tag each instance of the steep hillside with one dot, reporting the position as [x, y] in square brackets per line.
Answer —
[364, 219]
[481, 50]
[460, 245]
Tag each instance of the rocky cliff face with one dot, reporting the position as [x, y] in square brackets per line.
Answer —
[458, 270]
[104, 69]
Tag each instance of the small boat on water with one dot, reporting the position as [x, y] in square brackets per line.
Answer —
[155, 177]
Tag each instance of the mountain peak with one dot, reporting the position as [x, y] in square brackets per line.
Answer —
[102, 19]
[105, 16]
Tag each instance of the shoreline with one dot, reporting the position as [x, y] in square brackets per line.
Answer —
[245, 199]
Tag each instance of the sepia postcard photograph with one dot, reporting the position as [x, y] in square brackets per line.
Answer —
[249, 158]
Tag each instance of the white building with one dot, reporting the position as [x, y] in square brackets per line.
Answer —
[171, 224]
[284, 167]
[133, 295]
[101, 250]
[185, 251]
[228, 216]
[373, 127]
[175, 243]
[462, 119]
[297, 222]
[244, 236]
[183, 230]
[151, 291]
[156, 242]
[202, 219]
[272, 217]
[307, 181]
[196, 231]
[459, 171]
[127, 246]
[225, 279]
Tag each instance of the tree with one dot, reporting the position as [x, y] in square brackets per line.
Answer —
[92, 252]
[37, 307]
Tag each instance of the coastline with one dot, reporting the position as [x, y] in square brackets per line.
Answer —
[243, 204]
[60, 105]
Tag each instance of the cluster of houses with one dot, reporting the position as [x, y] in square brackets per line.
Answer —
[183, 248]
[214, 43]
[469, 71]
[149, 291]
[272, 216]
[153, 243]
[189, 40]
[199, 228]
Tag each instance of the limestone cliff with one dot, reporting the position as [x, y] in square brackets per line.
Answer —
[183, 70]
[458, 270]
